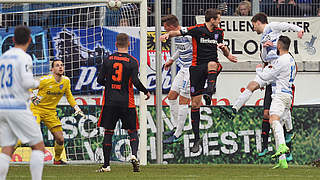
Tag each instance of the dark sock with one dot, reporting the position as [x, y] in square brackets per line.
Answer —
[107, 147]
[265, 132]
[212, 79]
[134, 141]
[195, 121]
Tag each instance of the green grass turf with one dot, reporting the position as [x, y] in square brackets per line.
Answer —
[183, 171]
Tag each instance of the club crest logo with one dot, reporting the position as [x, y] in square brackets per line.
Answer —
[216, 36]
[192, 89]
[61, 86]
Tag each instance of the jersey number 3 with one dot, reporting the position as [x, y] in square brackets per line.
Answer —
[6, 75]
[117, 76]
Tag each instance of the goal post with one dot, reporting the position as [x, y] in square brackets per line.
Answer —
[11, 19]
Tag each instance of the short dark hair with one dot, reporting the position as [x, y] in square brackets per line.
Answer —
[211, 13]
[56, 60]
[285, 42]
[262, 17]
[21, 35]
[122, 40]
[170, 19]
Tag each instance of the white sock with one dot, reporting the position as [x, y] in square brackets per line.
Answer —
[278, 132]
[287, 119]
[36, 164]
[182, 116]
[242, 99]
[4, 165]
[174, 108]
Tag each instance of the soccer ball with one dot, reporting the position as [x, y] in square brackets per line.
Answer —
[114, 4]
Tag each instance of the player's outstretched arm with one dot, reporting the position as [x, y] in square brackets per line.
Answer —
[227, 53]
[169, 34]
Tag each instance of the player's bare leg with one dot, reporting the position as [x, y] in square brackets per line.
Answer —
[195, 121]
[58, 146]
[211, 81]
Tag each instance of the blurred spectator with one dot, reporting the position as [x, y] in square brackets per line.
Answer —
[305, 7]
[124, 22]
[268, 7]
[244, 9]
[287, 8]
[318, 12]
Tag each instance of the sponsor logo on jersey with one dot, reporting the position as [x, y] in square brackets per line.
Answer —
[208, 41]
[54, 93]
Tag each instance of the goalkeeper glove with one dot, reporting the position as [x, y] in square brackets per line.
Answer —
[78, 111]
[36, 99]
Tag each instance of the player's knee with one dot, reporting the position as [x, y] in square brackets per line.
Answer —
[184, 100]
[212, 66]
[195, 105]
[252, 86]
[266, 114]
[172, 95]
[39, 146]
[60, 140]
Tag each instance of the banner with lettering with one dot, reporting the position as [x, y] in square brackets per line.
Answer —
[244, 42]
[224, 140]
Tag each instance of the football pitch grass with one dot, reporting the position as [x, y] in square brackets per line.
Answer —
[174, 171]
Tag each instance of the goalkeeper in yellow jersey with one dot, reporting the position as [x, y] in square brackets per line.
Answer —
[44, 104]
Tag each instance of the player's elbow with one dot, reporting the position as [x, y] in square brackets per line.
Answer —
[100, 81]
[30, 83]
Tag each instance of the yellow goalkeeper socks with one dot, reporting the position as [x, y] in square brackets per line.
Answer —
[58, 151]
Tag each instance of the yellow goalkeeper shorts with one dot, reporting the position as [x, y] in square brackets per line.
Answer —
[50, 119]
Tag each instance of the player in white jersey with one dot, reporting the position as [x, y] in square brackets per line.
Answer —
[270, 35]
[180, 87]
[16, 119]
[282, 74]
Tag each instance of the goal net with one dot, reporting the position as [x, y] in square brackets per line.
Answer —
[81, 35]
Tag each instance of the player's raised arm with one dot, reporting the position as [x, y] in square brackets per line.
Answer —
[170, 34]
[284, 26]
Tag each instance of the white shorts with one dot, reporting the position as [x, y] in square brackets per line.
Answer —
[280, 104]
[19, 124]
[181, 83]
